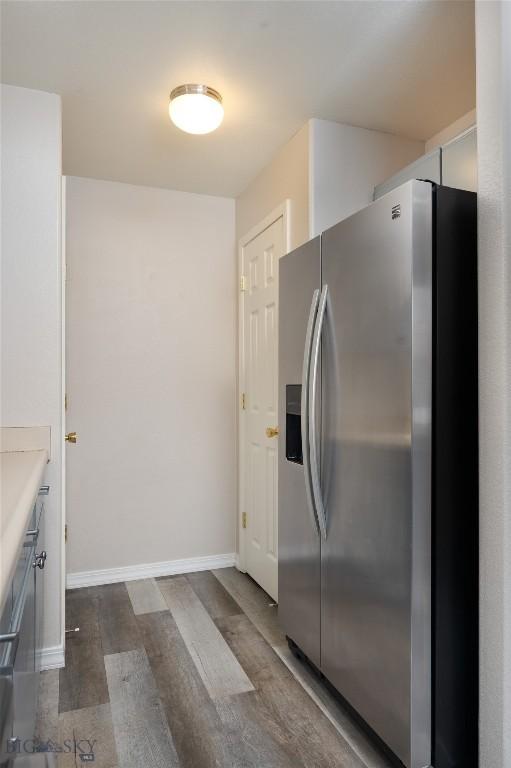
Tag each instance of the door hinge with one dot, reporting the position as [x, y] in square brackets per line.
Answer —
[244, 520]
[65, 402]
[243, 401]
[65, 532]
[243, 283]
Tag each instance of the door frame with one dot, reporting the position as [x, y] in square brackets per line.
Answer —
[282, 211]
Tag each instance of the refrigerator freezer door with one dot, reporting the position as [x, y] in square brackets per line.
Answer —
[376, 477]
[299, 544]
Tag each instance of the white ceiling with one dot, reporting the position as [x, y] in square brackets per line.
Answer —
[404, 67]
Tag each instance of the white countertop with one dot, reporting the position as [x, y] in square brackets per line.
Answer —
[21, 474]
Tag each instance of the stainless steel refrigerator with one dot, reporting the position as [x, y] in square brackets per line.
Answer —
[378, 468]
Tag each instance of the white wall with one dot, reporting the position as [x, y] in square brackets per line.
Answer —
[346, 163]
[31, 299]
[328, 171]
[493, 33]
[285, 178]
[151, 297]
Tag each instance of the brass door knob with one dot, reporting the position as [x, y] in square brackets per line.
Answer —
[71, 437]
[272, 431]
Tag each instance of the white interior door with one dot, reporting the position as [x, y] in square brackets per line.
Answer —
[260, 260]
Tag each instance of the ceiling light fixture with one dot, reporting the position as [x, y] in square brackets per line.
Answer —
[196, 108]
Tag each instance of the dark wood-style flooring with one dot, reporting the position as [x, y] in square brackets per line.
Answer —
[189, 672]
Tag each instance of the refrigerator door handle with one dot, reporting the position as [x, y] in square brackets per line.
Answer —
[313, 397]
[305, 408]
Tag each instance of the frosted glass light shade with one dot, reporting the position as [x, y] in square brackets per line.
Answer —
[196, 108]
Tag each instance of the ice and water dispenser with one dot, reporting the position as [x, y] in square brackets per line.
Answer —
[294, 423]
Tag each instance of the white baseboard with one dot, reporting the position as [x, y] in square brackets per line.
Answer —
[51, 658]
[149, 570]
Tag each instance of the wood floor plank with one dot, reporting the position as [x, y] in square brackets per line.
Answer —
[262, 745]
[145, 596]
[117, 623]
[283, 707]
[87, 731]
[82, 612]
[255, 602]
[82, 682]
[213, 595]
[47, 724]
[83, 679]
[142, 734]
[207, 734]
[217, 665]
[193, 719]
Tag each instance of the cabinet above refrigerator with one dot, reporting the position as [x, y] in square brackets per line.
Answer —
[454, 164]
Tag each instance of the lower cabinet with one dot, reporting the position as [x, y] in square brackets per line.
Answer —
[25, 671]
[39, 565]
[20, 644]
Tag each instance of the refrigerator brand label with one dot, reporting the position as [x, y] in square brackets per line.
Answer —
[396, 211]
